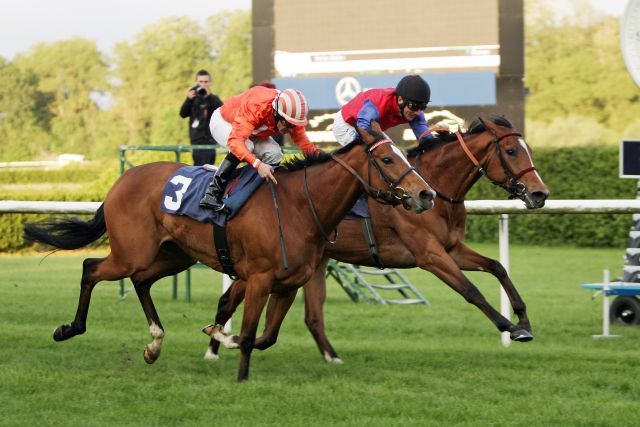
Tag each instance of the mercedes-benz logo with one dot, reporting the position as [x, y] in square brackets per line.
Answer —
[346, 89]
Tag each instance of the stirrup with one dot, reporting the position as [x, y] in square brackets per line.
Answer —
[211, 202]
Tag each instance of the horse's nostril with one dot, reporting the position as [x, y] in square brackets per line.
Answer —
[427, 195]
[539, 195]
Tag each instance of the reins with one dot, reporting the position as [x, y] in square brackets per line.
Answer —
[315, 214]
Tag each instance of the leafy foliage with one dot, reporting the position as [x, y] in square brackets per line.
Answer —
[68, 97]
[570, 173]
[574, 67]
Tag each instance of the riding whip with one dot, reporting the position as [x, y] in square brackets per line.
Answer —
[283, 248]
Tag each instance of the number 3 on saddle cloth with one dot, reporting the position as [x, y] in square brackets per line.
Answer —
[182, 193]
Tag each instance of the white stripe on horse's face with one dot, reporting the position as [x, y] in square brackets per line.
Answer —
[399, 153]
[525, 147]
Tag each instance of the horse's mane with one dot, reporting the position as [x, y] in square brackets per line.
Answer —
[298, 163]
[444, 138]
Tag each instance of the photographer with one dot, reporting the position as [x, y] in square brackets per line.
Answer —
[199, 106]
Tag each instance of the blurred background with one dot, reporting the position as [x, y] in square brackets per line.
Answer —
[85, 79]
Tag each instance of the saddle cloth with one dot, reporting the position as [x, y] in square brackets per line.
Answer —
[182, 193]
[360, 209]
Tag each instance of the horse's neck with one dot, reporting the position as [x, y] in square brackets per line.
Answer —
[450, 170]
[333, 191]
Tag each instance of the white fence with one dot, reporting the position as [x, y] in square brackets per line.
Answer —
[479, 207]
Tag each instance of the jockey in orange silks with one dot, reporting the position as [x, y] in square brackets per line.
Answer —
[246, 123]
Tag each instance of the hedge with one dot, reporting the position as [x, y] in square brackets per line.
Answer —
[589, 172]
[570, 173]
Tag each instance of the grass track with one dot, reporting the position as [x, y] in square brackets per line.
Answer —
[441, 365]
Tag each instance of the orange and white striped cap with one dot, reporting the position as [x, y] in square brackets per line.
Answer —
[292, 106]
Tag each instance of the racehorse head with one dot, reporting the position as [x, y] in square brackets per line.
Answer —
[390, 177]
[510, 165]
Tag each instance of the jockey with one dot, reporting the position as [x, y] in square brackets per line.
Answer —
[246, 123]
[376, 110]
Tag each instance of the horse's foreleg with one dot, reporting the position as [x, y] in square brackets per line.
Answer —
[315, 295]
[257, 292]
[94, 270]
[227, 305]
[279, 305]
[169, 261]
[445, 268]
[468, 259]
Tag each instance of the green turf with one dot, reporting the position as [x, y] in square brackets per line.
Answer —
[417, 365]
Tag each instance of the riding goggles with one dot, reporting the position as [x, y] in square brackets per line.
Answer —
[416, 106]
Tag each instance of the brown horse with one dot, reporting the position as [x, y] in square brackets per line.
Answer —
[434, 241]
[148, 244]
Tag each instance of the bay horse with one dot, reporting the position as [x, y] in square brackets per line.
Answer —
[433, 241]
[147, 244]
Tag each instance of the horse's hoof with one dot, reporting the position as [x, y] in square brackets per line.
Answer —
[521, 335]
[231, 342]
[210, 355]
[217, 333]
[331, 359]
[149, 355]
[64, 332]
[210, 329]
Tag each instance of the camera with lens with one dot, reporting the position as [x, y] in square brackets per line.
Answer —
[200, 91]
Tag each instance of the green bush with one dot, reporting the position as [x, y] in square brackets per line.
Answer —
[71, 173]
[589, 172]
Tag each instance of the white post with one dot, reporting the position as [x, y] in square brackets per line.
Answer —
[503, 243]
[226, 284]
[606, 306]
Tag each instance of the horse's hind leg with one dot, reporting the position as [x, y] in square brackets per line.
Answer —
[468, 259]
[227, 305]
[315, 295]
[94, 270]
[279, 305]
[169, 261]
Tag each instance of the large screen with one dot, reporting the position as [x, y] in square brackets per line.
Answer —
[469, 51]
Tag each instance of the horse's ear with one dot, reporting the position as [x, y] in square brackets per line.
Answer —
[487, 127]
[483, 123]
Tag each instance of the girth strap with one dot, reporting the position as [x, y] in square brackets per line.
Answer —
[222, 250]
[371, 241]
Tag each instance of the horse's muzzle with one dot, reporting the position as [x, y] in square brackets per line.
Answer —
[535, 199]
[424, 201]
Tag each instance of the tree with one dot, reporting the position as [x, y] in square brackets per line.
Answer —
[574, 67]
[23, 118]
[230, 39]
[67, 74]
[153, 74]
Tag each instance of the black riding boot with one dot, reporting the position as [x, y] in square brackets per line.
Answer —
[213, 197]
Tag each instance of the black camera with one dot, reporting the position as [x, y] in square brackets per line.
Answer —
[200, 91]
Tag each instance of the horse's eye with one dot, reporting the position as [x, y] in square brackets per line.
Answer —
[511, 151]
[387, 160]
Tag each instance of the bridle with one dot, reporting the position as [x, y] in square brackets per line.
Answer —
[511, 185]
[395, 196]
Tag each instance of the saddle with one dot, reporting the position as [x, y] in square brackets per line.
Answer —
[184, 189]
[182, 193]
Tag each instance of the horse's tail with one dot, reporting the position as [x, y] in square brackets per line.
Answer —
[67, 233]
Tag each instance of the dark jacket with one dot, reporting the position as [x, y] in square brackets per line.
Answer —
[199, 110]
